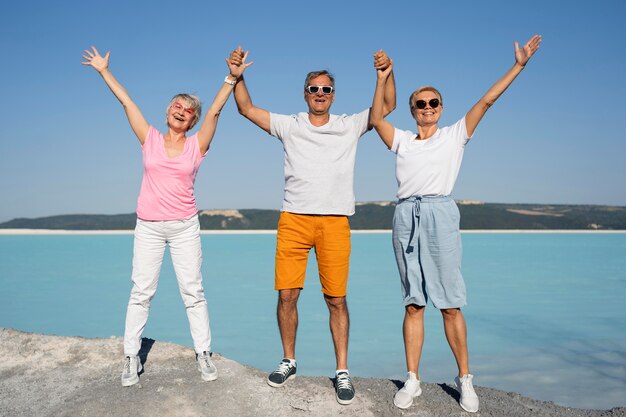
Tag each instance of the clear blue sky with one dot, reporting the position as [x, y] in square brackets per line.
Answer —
[66, 147]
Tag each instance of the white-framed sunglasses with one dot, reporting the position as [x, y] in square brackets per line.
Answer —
[326, 89]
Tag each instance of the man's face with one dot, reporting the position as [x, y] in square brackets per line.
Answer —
[319, 103]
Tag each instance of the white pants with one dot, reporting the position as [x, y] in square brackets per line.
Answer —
[183, 236]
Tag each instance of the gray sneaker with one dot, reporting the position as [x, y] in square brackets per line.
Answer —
[206, 367]
[285, 371]
[130, 373]
[344, 388]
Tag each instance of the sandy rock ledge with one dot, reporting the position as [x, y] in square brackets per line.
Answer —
[42, 375]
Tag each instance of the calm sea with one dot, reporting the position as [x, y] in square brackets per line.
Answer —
[546, 312]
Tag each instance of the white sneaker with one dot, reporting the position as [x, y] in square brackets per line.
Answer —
[469, 399]
[206, 367]
[130, 373]
[411, 390]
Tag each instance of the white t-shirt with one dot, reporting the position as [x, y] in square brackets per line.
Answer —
[429, 167]
[319, 161]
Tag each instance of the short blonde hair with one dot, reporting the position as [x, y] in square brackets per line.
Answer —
[421, 89]
[192, 101]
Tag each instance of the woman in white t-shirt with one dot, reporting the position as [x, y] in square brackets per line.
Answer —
[426, 235]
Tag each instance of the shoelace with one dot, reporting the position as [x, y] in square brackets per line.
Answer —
[283, 368]
[467, 387]
[206, 358]
[343, 382]
[127, 365]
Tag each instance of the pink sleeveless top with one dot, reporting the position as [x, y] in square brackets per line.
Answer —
[167, 185]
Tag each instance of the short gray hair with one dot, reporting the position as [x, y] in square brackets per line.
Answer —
[314, 74]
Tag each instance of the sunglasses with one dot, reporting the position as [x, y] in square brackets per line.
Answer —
[189, 110]
[314, 89]
[421, 104]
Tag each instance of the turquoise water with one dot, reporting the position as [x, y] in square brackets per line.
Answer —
[546, 312]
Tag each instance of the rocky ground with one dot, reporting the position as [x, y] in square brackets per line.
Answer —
[43, 375]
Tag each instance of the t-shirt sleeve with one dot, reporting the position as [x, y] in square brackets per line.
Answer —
[400, 136]
[280, 125]
[460, 132]
[152, 134]
[361, 121]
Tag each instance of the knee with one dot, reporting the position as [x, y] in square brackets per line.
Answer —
[141, 296]
[451, 313]
[413, 310]
[138, 300]
[289, 296]
[336, 303]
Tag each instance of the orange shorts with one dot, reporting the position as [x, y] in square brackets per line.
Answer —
[329, 235]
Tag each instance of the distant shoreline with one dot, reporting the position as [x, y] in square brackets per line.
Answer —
[273, 232]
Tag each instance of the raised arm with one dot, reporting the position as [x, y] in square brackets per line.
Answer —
[476, 113]
[377, 113]
[381, 62]
[256, 115]
[209, 124]
[135, 118]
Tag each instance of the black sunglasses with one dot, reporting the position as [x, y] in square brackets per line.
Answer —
[326, 89]
[421, 104]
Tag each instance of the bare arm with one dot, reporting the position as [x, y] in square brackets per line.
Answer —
[381, 62]
[476, 113]
[135, 118]
[377, 114]
[256, 115]
[209, 124]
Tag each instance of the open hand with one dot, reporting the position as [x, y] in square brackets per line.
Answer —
[523, 55]
[95, 60]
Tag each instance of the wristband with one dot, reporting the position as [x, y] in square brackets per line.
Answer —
[229, 81]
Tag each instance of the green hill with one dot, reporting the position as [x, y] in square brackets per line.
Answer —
[368, 216]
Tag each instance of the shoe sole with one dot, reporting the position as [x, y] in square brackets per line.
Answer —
[410, 404]
[344, 402]
[276, 385]
[207, 378]
[468, 410]
[131, 382]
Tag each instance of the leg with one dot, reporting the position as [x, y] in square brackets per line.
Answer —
[287, 315]
[332, 249]
[339, 327]
[407, 249]
[186, 251]
[147, 258]
[293, 244]
[413, 332]
[456, 333]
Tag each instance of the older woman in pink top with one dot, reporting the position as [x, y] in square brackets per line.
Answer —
[167, 212]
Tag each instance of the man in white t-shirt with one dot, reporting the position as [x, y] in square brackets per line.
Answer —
[319, 151]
